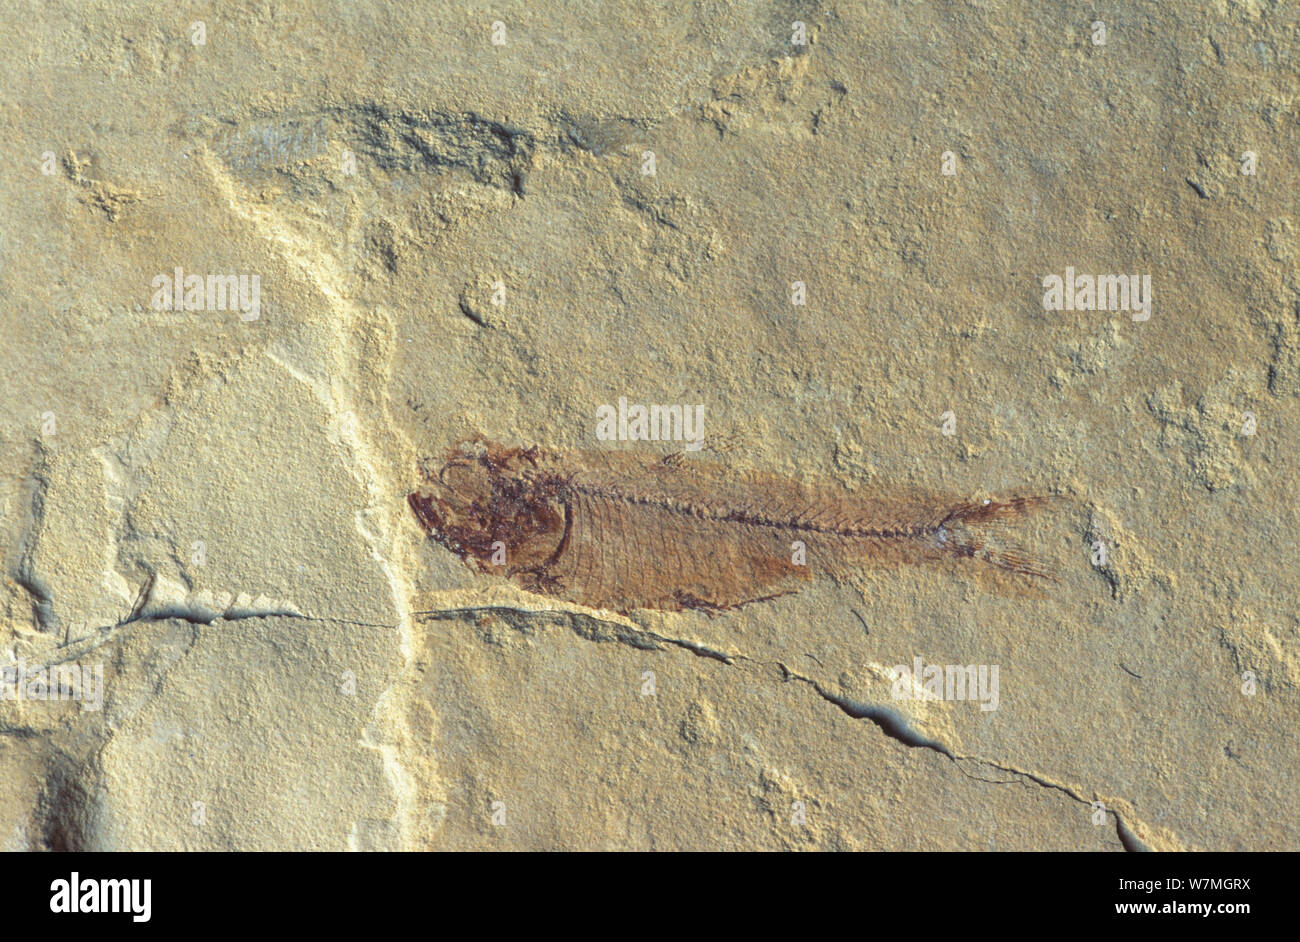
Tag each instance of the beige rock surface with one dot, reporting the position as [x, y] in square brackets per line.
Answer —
[455, 237]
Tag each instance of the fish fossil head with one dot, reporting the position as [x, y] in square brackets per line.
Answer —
[490, 505]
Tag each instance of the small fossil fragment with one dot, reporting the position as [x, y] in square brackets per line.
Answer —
[622, 531]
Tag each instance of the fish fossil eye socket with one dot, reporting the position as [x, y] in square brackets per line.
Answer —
[466, 487]
[455, 473]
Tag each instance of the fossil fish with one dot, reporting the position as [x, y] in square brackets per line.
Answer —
[621, 531]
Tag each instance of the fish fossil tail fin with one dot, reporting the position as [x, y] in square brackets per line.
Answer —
[974, 530]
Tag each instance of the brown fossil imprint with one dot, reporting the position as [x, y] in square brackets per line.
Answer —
[621, 531]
